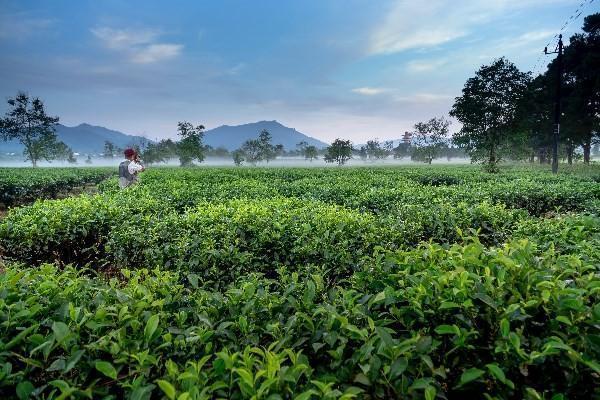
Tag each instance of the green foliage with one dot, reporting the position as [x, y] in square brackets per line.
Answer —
[488, 110]
[27, 122]
[339, 152]
[20, 186]
[429, 138]
[256, 150]
[463, 321]
[190, 146]
[306, 283]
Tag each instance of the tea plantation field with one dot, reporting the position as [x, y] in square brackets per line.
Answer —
[317, 283]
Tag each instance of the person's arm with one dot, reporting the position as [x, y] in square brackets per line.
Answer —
[134, 168]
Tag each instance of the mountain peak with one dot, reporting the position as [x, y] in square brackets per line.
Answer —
[232, 137]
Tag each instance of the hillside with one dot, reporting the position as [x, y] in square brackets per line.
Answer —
[232, 137]
[83, 138]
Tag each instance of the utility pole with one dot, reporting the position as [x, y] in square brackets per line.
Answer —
[559, 68]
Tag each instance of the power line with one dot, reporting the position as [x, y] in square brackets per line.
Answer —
[572, 18]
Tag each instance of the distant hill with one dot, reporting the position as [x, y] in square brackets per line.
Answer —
[232, 137]
[83, 138]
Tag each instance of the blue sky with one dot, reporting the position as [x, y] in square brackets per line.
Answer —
[354, 69]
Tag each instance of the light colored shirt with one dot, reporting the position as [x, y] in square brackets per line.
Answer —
[133, 168]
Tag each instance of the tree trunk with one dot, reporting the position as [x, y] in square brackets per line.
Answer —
[493, 155]
[532, 157]
[570, 154]
[587, 147]
[542, 155]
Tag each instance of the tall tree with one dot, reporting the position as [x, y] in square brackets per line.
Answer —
[310, 153]
[110, 149]
[429, 138]
[268, 151]
[27, 121]
[373, 149]
[252, 151]
[363, 153]
[402, 150]
[190, 147]
[238, 157]
[487, 111]
[582, 103]
[534, 120]
[159, 152]
[340, 152]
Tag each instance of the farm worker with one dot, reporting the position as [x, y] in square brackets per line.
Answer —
[129, 168]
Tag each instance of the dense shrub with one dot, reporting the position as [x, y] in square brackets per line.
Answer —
[23, 185]
[223, 241]
[458, 322]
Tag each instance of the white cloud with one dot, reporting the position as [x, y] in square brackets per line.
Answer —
[410, 25]
[124, 38]
[425, 65]
[424, 98]
[369, 91]
[140, 45]
[156, 52]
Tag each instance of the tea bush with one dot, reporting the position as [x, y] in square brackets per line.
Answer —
[464, 321]
[291, 283]
[23, 185]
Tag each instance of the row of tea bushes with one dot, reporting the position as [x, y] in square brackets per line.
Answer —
[24, 185]
[374, 190]
[225, 239]
[433, 322]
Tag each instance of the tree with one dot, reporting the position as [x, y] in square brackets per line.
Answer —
[429, 138]
[190, 146]
[582, 81]
[340, 152]
[88, 160]
[487, 111]
[376, 151]
[279, 150]
[363, 153]
[27, 122]
[268, 151]
[534, 119]
[402, 150]
[159, 152]
[311, 152]
[238, 157]
[64, 153]
[252, 151]
[388, 148]
[220, 151]
[110, 149]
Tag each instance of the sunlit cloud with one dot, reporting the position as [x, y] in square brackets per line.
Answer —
[369, 91]
[140, 45]
[410, 25]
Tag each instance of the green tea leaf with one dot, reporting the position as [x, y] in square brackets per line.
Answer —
[24, 390]
[504, 327]
[60, 330]
[106, 368]
[167, 388]
[447, 330]
[430, 392]
[151, 326]
[470, 375]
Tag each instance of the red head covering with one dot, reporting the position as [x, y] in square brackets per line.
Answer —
[129, 153]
